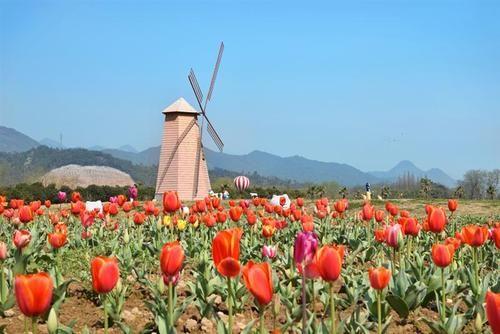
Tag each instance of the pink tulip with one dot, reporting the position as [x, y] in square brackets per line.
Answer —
[306, 244]
[269, 251]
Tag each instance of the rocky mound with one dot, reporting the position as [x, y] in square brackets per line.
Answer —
[82, 176]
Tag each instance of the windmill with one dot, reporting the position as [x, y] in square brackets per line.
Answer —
[182, 165]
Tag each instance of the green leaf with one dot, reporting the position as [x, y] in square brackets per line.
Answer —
[398, 305]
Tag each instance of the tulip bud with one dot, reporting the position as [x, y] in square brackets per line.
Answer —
[3, 251]
[126, 237]
[52, 322]
[478, 323]
[160, 285]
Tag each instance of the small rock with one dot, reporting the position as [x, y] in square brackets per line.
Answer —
[9, 313]
[128, 315]
[218, 300]
[207, 325]
[190, 325]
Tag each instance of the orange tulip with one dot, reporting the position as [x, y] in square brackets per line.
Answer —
[33, 293]
[76, 197]
[493, 311]
[226, 252]
[442, 254]
[235, 213]
[258, 280]
[456, 242]
[474, 235]
[452, 205]
[47, 203]
[379, 277]
[57, 239]
[329, 262]
[436, 220]
[105, 274]
[268, 231]
[340, 206]
[171, 202]
[139, 218]
[171, 259]
[380, 234]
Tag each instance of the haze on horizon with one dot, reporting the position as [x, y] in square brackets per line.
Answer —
[363, 83]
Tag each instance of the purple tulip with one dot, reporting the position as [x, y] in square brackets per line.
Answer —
[113, 199]
[132, 192]
[269, 251]
[61, 196]
[305, 247]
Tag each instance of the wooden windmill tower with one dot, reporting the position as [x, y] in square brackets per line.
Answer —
[182, 164]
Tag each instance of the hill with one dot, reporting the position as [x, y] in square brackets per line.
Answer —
[405, 166]
[31, 165]
[12, 140]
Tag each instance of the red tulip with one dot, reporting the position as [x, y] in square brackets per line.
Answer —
[33, 293]
[57, 239]
[379, 215]
[300, 201]
[171, 202]
[251, 218]
[258, 280]
[25, 214]
[139, 218]
[474, 235]
[47, 203]
[495, 235]
[379, 277]
[21, 238]
[452, 205]
[226, 252]
[442, 254]
[76, 197]
[171, 259]
[493, 311]
[329, 262]
[105, 274]
[367, 212]
[404, 213]
[436, 220]
[411, 226]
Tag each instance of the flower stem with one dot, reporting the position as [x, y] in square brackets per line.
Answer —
[476, 275]
[304, 309]
[105, 314]
[333, 329]
[170, 305]
[261, 320]
[443, 310]
[229, 306]
[379, 311]
[34, 328]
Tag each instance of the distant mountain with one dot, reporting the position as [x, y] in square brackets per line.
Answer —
[405, 167]
[148, 157]
[51, 143]
[128, 148]
[12, 140]
[294, 168]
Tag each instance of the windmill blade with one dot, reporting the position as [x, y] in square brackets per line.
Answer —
[196, 89]
[214, 75]
[214, 135]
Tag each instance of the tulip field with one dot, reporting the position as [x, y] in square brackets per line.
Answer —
[247, 266]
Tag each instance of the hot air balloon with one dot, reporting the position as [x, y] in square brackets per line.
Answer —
[241, 183]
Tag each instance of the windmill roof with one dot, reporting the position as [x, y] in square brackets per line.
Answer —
[181, 106]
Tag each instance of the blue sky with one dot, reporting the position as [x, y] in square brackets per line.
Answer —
[367, 83]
